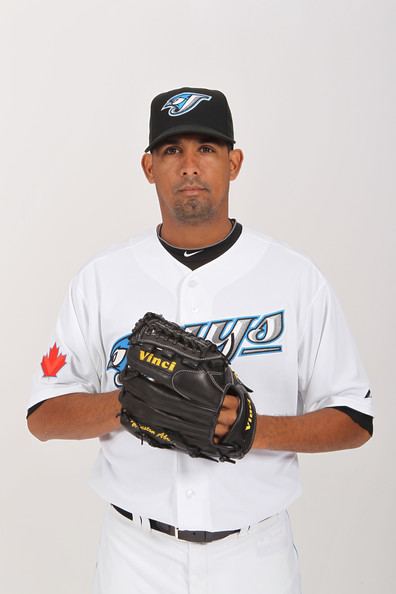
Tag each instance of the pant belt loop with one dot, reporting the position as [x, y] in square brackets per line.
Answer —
[144, 523]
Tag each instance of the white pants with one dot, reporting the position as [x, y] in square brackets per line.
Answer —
[132, 558]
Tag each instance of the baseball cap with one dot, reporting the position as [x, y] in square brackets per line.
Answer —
[188, 110]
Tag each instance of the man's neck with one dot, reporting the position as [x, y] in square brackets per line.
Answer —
[195, 236]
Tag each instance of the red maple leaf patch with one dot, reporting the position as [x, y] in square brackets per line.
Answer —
[53, 362]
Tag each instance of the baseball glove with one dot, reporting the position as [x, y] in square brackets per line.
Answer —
[173, 389]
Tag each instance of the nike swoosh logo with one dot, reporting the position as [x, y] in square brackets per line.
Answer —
[186, 255]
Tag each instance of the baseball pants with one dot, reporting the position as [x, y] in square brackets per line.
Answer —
[132, 557]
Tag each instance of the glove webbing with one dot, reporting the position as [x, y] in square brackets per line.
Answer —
[174, 334]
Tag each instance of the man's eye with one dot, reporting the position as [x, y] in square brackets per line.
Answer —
[171, 150]
[206, 149]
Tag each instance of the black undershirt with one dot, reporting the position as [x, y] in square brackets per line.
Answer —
[194, 258]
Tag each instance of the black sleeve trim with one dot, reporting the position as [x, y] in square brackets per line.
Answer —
[33, 408]
[365, 421]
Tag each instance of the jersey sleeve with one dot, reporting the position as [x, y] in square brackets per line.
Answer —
[330, 371]
[67, 365]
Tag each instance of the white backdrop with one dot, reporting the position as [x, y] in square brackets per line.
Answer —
[311, 84]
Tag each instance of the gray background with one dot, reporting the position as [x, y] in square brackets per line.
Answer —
[312, 88]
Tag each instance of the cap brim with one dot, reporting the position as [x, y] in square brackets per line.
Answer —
[186, 129]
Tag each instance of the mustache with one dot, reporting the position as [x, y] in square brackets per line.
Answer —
[190, 184]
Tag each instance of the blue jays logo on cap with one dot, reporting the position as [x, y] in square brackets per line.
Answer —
[184, 102]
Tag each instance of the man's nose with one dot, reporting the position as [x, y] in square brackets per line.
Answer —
[189, 164]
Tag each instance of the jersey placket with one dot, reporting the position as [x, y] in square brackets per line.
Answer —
[192, 488]
[192, 299]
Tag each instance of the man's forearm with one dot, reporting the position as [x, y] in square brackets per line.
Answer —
[325, 430]
[76, 416]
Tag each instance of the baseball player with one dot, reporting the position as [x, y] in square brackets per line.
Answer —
[176, 523]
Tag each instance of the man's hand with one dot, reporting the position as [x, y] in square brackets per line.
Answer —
[227, 416]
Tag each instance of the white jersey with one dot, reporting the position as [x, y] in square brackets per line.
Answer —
[270, 311]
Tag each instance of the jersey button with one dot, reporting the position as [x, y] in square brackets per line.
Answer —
[190, 493]
[192, 283]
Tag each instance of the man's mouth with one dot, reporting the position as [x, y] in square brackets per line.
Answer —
[191, 189]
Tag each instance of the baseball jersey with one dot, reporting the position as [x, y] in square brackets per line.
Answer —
[273, 314]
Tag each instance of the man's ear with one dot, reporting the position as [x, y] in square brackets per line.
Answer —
[236, 160]
[147, 165]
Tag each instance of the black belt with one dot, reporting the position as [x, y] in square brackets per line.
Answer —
[190, 535]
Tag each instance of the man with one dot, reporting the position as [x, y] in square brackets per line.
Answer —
[175, 523]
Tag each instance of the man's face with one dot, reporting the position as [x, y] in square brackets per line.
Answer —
[192, 176]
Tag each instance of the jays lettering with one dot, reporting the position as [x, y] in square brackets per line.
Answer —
[238, 337]
[234, 337]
